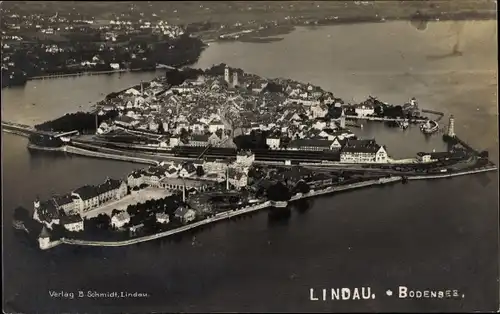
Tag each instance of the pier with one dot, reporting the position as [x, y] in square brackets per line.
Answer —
[438, 113]
[351, 117]
[88, 73]
[22, 129]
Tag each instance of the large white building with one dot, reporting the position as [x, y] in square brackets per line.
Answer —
[363, 151]
[72, 223]
[364, 110]
[119, 220]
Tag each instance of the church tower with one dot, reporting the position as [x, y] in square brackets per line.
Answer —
[236, 83]
[342, 119]
[226, 75]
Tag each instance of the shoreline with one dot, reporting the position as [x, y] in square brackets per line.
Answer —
[267, 204]
[221, 216]
[274, 33]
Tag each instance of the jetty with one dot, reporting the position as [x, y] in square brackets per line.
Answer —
[85, 73]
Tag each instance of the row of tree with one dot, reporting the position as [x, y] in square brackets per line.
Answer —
[84, 122]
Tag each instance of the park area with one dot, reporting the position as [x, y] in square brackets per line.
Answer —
[136, 197]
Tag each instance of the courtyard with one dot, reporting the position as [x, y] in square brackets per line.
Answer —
[135, 197]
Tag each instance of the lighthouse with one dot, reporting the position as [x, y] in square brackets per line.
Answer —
[451, 127]
[226, 75]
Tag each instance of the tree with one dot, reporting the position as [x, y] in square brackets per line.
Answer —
[115, 212]
[21, 214]
[302, 187]
[199, 171]
[132, 210]
[103, 221]
[278, 192]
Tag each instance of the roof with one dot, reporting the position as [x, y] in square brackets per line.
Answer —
[122, 216]
[48, 211]
[200, 138]
[182, 211]
[70, 219]
[63, 200]
[108, 185]
[125, 119]
[361, 146]
[86, 192]
[44, 233]
[216, 122]
[310, 143]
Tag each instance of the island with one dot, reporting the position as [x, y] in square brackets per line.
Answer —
[220, 143]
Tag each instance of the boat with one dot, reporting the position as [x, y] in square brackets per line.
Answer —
[429, 127]
[404, 124]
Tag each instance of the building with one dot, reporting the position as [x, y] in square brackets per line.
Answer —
[73, 223]
[90, 197]
[440, 156]
[120, 220]
[342, 119]
[136, 178]
[236, 82]
[238, 179]
[245, 158]
[178, 184]
[273, 142]
[227, 75]
[46, 213]
[185, 214]
[44, 239]
[65, 202]
[162, 218]
[215, 125]
[363, 151]
[318, 110]
[199, 140]
[364, 110]
[188, 169]
[311, 145]
[86, 198]
[111, 189]
[135, 229]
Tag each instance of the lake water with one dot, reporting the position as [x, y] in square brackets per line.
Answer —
[434, 235]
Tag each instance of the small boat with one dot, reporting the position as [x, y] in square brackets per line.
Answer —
[429, 127]
[404, 125]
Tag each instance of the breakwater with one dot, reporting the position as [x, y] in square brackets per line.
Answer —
[351, 117]
[83, 73]
[225, 215]
[89, 153]
[449, 175]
